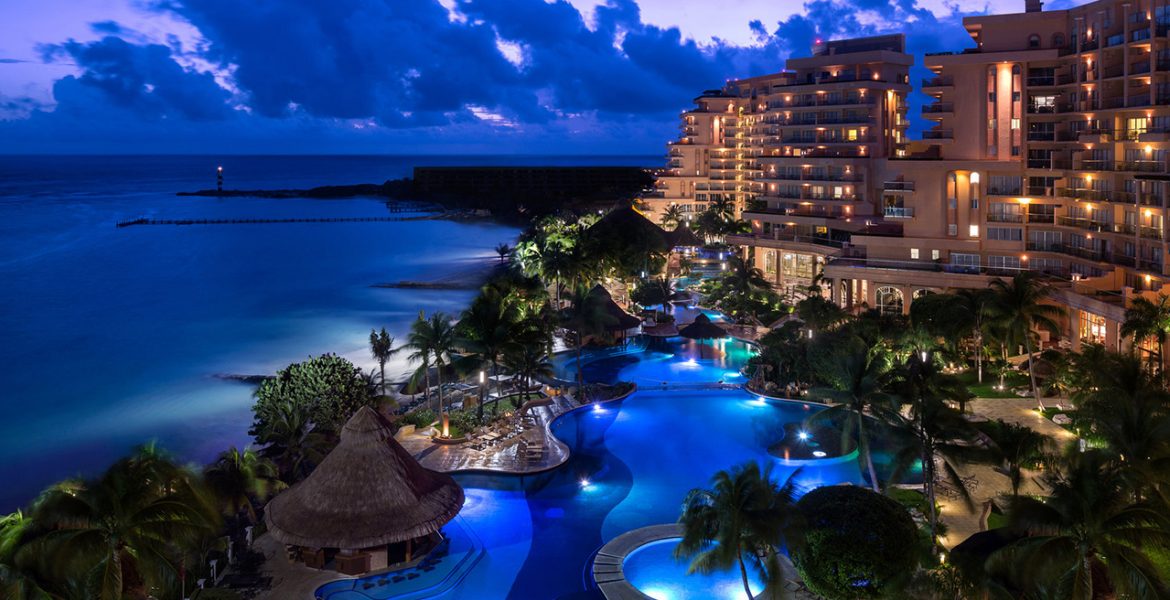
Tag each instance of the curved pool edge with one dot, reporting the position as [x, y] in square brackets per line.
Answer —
[608, 568]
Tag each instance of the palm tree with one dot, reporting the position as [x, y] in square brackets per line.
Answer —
[382, 347]
[131, 525]
[955, 317]
[241, 479]
[1145, 319]
[530, 359]
[1015, 448]
[584, 317]
[17, 581]
[744, 514]
[1018, 306]
[934, 428]
[672, 217]
[487, 329]
[504, 251]
[1087, 537]
[433, 341]
[858, 375]
[723, 207]
[291, 441]
[743, 277]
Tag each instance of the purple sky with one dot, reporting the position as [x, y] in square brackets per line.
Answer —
[404, 76]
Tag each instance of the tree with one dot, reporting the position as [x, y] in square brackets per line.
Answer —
[672, 217]
[653, 292]
[18, 581]
[239, 480]
[1018, 306]
[857, 374]
[954, 317]
[1145, 319]
[585, 316]
[504, 251]
[1015, 448]
[291, 440]
[487, 330]
[818, 313]
[328, 389]
[858, 544]
[936, 429]
[740, 521]
[1087, 538]
[382, 347]
[433, 341]
[742, 277]
[130, 526]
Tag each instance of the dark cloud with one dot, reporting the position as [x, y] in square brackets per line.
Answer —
[12, 61]
[337, 68]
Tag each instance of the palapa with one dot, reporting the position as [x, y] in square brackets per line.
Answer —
[369, 491]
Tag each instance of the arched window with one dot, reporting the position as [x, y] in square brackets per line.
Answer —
[1033, 41]
[1016, 69]
[889, 300]
[1057, 40]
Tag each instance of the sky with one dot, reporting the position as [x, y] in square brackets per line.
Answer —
[407, 76]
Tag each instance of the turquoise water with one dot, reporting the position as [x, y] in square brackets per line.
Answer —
[654, 362]
[655, 572]
[114, 336]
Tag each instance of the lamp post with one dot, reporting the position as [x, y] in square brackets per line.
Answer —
[482, 381]
[219, 179]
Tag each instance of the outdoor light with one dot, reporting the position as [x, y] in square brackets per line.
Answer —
[803, 436]
[597, 407]
[924, 356]
[584, 483]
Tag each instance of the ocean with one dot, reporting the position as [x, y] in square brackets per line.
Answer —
[111, 337]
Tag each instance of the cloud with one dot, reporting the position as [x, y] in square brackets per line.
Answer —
[12, 61]
[394, 70]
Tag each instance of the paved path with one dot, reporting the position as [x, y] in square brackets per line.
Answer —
[502, 458]
[961, 520]
[290, 581]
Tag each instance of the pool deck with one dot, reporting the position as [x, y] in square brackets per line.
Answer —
[505, 458]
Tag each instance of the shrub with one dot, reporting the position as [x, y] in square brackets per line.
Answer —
[464, 421]
[858, 544]
[420, 418]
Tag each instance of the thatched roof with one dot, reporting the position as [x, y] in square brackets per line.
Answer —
[622, 319]
[682, 236]
[703, 329]
[368, 491]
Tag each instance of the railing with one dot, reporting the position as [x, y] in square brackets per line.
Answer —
[898, 212]
[938, 107]
[1049, 109]
[1151, 233]
[1040, 191]
[938, 82]
[1004, 191]
[1040, 218]
[938, 134]
[1096, 195]
[1095, 226]
[898, 186]
[1005, 218]
[791, 237]
[1041, 80]
[1041, 136]
[1140, 166]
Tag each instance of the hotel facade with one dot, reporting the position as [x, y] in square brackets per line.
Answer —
[1048, 153]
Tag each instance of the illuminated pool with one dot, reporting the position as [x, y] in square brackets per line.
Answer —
[657, 361]
[655, 572]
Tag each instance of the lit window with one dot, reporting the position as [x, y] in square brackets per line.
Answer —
[934, 255]
[914, 253]
[1015, 123]
[973, 230]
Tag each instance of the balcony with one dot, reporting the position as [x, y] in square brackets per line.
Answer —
[938, 82]
[938, 134]
[1039, 191]
[1151, 233]
[1141, 166]
[1096, 195]
[898, 212]
[1095, 226]
[1047, 163]
[1049, 109]
[1005, 218]
[1041, 136]
[898, 186]
[938, 108]
[1011, 190]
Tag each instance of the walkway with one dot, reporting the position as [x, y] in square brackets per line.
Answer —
[505, 458]
[961, 520]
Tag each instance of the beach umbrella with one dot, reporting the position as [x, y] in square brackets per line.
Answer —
[702, 329]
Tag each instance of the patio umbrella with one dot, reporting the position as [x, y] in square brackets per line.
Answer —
[702, 329]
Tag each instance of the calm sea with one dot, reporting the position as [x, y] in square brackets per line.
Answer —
[111, 337]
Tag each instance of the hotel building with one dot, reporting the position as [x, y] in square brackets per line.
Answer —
[1048, 153]
[801, 153]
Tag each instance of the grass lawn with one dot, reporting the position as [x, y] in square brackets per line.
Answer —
[987, 388]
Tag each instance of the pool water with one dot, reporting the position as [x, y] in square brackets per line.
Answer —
[655, 571]
[632, 463]
[663, 361]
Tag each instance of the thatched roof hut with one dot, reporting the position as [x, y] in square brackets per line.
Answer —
[703, 329]
[369, 491]
[622, 320]
[682, 236]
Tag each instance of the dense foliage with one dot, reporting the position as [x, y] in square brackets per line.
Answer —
[327, 388]
[857, 543]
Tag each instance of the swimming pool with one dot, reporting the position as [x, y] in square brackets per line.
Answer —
[653, 362]
[631, 466]
[654, 571]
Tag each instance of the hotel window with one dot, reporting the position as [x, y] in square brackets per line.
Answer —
[934, 255]
[1092, 328]
[1003, 263]
[965, 262]
[770, 262]
[914, 253]
[952, 229]
[1005, 234]
[1015, 123]
[973, 231]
